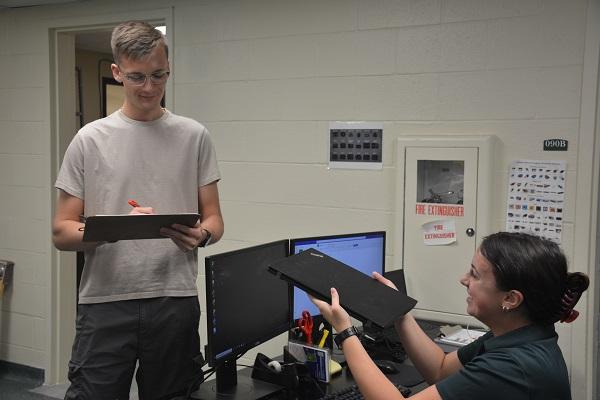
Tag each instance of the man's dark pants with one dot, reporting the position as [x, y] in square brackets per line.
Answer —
[160, 334]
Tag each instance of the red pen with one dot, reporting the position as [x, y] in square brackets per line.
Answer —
[133, 203]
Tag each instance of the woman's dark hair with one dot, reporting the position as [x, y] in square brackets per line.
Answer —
[537, 268]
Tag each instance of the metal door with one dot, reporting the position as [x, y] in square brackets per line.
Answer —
[433, 192]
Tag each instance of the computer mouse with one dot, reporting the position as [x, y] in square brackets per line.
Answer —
[386, 366]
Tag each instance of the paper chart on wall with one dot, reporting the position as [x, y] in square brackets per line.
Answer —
[536, 193]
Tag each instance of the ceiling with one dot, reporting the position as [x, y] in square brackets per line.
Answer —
[98, 41]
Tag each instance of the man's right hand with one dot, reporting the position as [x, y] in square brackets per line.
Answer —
[142, 210]
[67, 226]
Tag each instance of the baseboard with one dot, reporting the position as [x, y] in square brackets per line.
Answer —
[21, 373]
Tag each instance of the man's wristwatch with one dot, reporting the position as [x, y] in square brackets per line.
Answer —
[206, 240]
[345, 334]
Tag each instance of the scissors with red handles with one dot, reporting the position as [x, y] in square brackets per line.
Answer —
[306, 326]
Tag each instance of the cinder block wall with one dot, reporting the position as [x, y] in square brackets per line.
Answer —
[266, 77]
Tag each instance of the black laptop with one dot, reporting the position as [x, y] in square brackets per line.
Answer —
[362, 296]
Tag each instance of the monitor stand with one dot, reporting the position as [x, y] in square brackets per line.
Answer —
[245, 389]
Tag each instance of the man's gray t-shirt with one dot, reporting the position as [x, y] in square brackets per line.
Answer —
[159, 164]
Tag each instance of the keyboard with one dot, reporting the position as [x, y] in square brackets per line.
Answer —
[352, 393]
[431, 328]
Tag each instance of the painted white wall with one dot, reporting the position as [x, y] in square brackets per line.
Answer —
[267, 76]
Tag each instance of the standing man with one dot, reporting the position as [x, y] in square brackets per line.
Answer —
[138, 299]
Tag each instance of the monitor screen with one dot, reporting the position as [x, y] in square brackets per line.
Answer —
[362, 251]
[246, 304]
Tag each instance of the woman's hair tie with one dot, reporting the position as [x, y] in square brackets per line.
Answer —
[576, 285]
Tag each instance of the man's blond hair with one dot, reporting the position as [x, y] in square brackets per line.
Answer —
[136, 39]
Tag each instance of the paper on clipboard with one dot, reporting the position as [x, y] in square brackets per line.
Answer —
[110, 228]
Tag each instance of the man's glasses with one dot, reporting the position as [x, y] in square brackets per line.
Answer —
[139, 79]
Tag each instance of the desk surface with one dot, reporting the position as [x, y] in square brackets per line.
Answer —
[250, 389]
[246, 389]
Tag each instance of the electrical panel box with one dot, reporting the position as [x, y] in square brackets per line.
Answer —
[355, 145]
[443, 210]
[360, 145]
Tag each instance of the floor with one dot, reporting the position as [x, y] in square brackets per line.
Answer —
[19, 388]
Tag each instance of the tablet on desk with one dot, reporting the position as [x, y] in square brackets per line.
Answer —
[362, 296]
[110, 228]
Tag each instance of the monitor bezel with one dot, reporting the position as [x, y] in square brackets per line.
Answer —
[250, 344]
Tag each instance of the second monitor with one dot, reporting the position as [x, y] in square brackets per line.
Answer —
[362, 251]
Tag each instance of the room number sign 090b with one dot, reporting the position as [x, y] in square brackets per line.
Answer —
[556, 145]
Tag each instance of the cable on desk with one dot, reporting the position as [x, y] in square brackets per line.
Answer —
[203, 376]
[199, 381]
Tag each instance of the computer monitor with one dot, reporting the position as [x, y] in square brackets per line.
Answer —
[246, 305]
[362, 251]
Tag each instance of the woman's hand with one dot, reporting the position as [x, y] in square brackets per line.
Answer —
[333, 313]
[378, 277]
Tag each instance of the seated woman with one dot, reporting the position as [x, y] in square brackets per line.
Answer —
[517, 285]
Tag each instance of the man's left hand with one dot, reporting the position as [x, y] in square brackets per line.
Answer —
[185, 237]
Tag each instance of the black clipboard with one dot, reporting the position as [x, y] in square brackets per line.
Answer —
[362, 296]
[110, 228]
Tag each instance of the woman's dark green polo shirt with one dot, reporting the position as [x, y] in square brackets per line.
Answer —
[523, 364]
